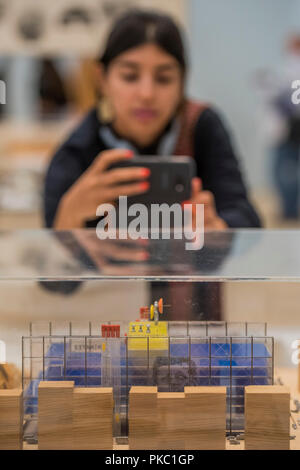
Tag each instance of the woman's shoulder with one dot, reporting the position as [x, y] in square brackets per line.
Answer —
[208, 121]
[83, 144]
[201, 112]
[198, 120]
[201, 118]
[86, 132]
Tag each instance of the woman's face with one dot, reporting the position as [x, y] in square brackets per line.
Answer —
[144, 87]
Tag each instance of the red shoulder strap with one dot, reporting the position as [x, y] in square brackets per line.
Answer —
[188, 118]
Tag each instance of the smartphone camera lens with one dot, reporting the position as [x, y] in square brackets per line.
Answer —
[179, 186]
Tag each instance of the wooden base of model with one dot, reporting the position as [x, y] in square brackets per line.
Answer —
[82, 418]
[11, 402]
[55, 415]
[170, 415]
[195, 419]
[205, 417]
[74, 418]
[93, 418]
[143, 423]
[267, 418]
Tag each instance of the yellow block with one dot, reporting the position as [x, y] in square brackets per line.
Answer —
[139, 332]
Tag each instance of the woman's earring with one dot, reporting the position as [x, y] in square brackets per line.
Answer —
[105, 110]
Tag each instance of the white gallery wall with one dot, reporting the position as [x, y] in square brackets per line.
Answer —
[229, 41]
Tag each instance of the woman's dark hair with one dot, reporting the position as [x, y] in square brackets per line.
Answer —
[137, 27]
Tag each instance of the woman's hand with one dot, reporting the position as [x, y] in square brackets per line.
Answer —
[98, 185]
[109, 255]
[211, 219]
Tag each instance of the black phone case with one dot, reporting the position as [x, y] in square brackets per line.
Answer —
[170, 179]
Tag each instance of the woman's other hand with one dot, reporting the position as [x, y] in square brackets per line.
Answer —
[99, 185]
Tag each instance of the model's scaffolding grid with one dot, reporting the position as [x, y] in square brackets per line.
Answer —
[194, 353]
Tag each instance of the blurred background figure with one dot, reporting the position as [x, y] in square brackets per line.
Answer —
[287, 149]
[281, 124]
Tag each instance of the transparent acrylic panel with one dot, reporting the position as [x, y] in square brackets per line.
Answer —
[30, 400]
[177, 328]
[97, 367]
[36, 370]
[220, 363]
[78, 255]
[55, 347]
[236, 329]
[61, 328]
[140, 361]
[179, 364]
[200, 360]
[39, 328]
[65, 292]
[197, 329]
[75, 360]
[256, 329]
[115, 346]
[81, 328]
[263, 348]
[217, 328]
[32, 347]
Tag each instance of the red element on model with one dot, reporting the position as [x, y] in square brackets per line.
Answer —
[110, 331]
[144, 313]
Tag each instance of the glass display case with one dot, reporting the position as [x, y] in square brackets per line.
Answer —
[120, 316]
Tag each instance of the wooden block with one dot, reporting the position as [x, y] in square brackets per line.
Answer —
[93, 418]
[205, 418]
[267, 418]
[143, 424]
[11, 415]
[55, 415]
[170, 412]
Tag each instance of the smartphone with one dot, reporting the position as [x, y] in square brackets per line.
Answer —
[170, 178]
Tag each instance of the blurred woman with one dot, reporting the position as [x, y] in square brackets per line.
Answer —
[144, 110]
